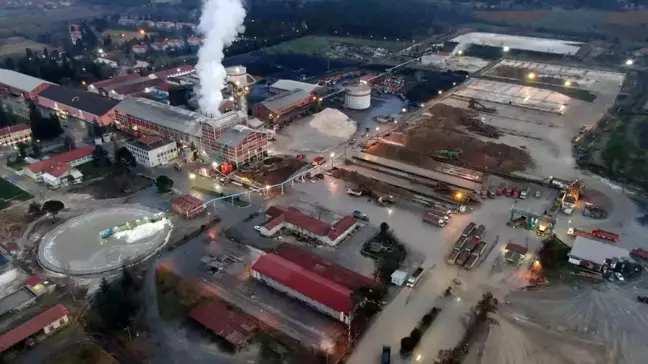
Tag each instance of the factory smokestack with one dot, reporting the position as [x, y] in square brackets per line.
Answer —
[220, 23]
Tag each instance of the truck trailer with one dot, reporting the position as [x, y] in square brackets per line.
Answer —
[434, 219]
[411, 281]
[595, 234]
[468, 229]
[452, 258]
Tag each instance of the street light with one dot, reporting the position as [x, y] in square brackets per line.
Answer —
[439, 92]
[214, 165]
[629, 62]
[531, 76]
[332, 154]
[460, 52]
[404, 109]
[567, 83]
[506, 49]
[377, 128]
[192, 177]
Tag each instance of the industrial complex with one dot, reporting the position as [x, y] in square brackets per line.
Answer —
[325, 217]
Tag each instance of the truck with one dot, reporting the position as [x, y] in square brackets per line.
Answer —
[517, 222]
[460, 242]
[468, 229]
[480, 231]
[542, 229]
[515, 193]
[452, 258]
[472, 244]
[554, 209]
[411, 281]
[500, 189]
[462, 258]
[471, 261]
[593, 211]
[386, 355]
[595, 234]
[434, 219]
[440, 212]
[508, 191]
[524, 193]
[639, 253]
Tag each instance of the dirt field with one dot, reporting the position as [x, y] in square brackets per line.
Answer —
[17, 45]
[273, 170]
[111, 187]
[447, 129]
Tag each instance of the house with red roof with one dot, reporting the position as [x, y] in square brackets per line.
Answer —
[280, 217]
[309, 287]
[59, 169]
[35, 329]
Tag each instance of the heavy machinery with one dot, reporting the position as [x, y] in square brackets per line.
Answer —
[478, 106]
[449, 154]
[593, 211]
[571, 196]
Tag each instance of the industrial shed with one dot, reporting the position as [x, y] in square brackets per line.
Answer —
[319, 292]
[592, 254]
[235, 327]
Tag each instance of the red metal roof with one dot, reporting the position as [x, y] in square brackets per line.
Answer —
[31, 327]
[306, 282]
[163, 74]
[138, 86]
[63, 158]
[235, 327]
[116, 80]
[57, 170]
[341, 226]
[187, 203]
[150, 139]
[327, 269]
[13, 129]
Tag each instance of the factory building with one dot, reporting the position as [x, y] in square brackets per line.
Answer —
[285, 107]
[16, 89]
[240, 144]
[76, 104]
[14, 134]
[139, 117]
[152, 151]
[309, 287]
[136, 85]
[282, 86]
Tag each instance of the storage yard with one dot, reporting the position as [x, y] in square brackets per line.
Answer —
[541, 45]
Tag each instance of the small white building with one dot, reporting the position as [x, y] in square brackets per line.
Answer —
[139, 48]
[399, 277]
[152, 151]
[60, 168]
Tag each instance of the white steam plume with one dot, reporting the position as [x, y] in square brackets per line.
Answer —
[220, 23]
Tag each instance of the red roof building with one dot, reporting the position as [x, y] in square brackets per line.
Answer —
[43, 324]
[235, 327]
[327, 269]
[14, 134]
[317, 291]
[291, 218]
[72, 158]
[188, 205]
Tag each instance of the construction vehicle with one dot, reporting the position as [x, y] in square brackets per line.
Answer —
[434, 219]
[595, 234]
[542, 229]
[478, 106]
[517, 222]
[448, 154]
[411, 281]
[571, 196]
[593, 211]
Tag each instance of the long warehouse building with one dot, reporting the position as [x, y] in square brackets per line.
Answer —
[319, 292]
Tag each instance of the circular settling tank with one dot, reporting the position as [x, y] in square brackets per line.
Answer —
[358, 97]
[102, 240]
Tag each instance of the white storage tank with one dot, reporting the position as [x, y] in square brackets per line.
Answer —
[238, 75]
[358, 97]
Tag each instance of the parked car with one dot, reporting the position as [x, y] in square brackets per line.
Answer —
[642, 299]
[538, 194]
[319, 176]
[360, 216]
[353, 192]
[619, 276]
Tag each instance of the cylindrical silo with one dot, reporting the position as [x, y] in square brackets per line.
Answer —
[358, 97]
[237, 75]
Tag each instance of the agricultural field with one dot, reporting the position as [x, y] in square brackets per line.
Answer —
[16, 45]
[319, 45]
[33, 19]
[626, 25]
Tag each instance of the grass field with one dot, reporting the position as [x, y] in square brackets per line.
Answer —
[29, 19]
[9, 191]
[318, 45]
[119, 35]
[16, 45]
